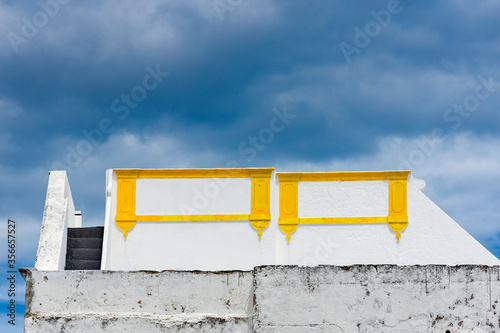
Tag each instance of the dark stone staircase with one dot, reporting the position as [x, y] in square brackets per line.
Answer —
[84, 248]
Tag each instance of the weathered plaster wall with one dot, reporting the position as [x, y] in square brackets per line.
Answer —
[381, 298]
[363, 298]
[58, 215]
[168, 301]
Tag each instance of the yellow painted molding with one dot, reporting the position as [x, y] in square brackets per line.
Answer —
[397, 211]
[348, 176]
[202, 173]
[260, 208]
[398, 215]
[125, 202]
[208, 217]
[289, 202]
[259, 217]
[343, 220]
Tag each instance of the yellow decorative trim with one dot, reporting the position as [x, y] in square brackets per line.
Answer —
[343, 220]
[125, 202]
[351, 176]
[199, 173]
[398, 216]
[260, 208]
[288, 188]
[289, 202]
[212, 217]
[260, 213]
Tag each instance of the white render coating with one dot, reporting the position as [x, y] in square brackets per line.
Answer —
[291, 299]
[343, 199]
[206, 245]
[431, 236]
[193, 196]
[58, 215]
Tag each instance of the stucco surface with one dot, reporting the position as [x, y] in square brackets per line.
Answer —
[187, 245]
[431, 236]
[343, 199]
[193, 196]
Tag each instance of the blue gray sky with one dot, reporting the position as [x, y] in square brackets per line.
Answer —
[305, 85]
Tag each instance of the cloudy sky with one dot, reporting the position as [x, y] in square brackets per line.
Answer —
[298, 85]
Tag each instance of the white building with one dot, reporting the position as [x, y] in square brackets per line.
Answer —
[254, 250]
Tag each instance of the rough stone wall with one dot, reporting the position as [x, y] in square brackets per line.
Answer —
[360, 298]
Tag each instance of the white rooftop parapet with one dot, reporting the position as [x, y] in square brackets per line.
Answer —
[58, 215]
[237, 219]
[339, 226]
[207, 219]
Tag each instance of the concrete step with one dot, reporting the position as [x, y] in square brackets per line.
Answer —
[85, 243]
[72, 265]
[84, 248]
[83, 254]
[91, 232]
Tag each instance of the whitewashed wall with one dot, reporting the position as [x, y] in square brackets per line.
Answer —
[288, 299]
[100, 301]
[383, 298]
[206, 245]
[431, 237]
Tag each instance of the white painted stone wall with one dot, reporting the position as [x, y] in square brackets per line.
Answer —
[140, 301]
[58, 215]
[377, 299]
[291, 299]
[431, 237]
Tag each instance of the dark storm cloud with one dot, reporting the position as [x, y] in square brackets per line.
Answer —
[89, 54]
[226, 74]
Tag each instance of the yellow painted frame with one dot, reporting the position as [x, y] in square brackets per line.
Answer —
[289, 198]
[260, 212]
